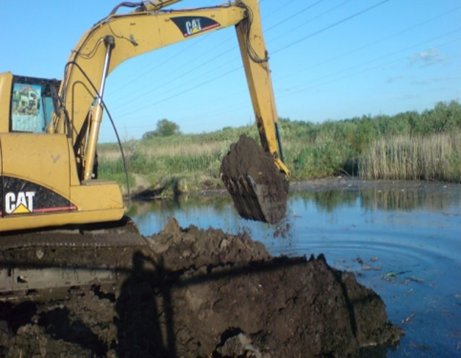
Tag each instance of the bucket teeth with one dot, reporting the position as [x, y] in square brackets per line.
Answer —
[253, 201]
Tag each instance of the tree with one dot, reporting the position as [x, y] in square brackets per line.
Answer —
[165, 128]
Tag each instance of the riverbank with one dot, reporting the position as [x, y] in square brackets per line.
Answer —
[323, 184]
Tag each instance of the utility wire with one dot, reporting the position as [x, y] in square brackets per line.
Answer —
[370, 44]
[184, 91]
[235, 106]
[278, 9]
[330, 26]
[297, 14]
[178, 77]
[133, 94]
[280, 49]
[326, 83]
[156, 66]
[310, 20]
[381, 64]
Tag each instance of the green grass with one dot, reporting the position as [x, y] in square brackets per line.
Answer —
[408, 145]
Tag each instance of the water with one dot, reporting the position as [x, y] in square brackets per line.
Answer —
[402, 241]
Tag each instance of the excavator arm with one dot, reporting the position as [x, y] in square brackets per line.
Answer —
[118, 38]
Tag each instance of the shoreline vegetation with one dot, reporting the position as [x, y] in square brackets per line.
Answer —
[406, 146]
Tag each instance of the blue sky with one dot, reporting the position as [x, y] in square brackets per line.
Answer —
[330, 60]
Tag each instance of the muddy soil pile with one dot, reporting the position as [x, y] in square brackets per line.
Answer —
[259, 190]
[204, 293]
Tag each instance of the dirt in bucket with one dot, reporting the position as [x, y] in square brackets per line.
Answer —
[258, 189]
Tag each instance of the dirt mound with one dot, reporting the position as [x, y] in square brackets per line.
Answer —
[204, 293]
[259, 190]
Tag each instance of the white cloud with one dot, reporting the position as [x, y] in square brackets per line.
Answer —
[428, 57]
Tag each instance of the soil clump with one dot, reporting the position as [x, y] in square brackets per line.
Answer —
[257, 187]
[203, 293]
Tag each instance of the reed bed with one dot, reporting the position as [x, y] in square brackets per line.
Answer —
[435, 157]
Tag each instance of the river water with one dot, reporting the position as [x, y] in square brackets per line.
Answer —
[401, 239]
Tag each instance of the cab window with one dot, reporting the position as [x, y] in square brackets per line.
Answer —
[32, 104]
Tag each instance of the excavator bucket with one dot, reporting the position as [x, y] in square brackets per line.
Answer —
[259, 190]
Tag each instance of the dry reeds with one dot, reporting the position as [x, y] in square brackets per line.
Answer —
[436, 157]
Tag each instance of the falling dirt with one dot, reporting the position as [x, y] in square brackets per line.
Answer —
[200, 293]
[257, 187]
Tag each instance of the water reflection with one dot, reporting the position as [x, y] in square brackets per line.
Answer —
[217, 210]
[436, 197]
[400, 239]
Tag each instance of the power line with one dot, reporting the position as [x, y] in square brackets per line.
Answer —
[387, 63]
[184, 91]
[330, 26]
[334, 80]
[156, 66]
[278, 9]
[371, 43]
[283, 48]
[296, 14]
[387, 55]
[223, 110]
[133, 94]
[310, 20]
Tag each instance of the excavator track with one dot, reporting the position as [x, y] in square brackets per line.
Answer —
[38, 265]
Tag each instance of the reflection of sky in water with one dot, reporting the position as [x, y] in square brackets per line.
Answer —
[403, 244]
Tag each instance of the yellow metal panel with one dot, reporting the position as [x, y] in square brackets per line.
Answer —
[39, 158]
[96, 195]
[6, 83]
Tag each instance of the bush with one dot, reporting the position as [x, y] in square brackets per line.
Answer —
[165, 128]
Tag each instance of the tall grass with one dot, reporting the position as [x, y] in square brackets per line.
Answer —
[436, 157]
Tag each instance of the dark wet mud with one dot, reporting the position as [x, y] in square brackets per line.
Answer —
[257, 187]
[201, 293]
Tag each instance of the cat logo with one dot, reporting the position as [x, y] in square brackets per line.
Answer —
[20, 203]
[193, 26]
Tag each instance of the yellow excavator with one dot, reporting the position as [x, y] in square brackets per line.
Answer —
[48, 140]
[49, 129]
